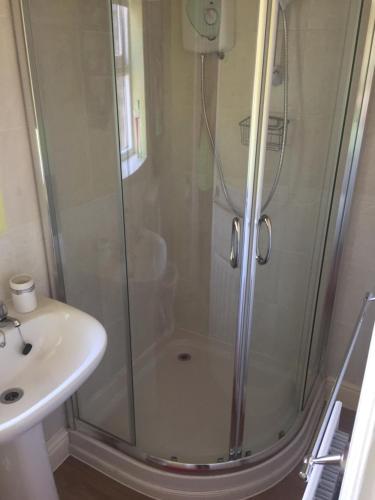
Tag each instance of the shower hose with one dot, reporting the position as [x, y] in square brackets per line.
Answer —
[215, 152]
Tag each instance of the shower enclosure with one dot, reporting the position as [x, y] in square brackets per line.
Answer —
[196, 157]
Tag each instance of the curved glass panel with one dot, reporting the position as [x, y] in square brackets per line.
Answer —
[313, 63]
[73, 79]
[183, 290]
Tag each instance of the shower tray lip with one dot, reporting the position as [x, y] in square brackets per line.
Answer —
[235, 479]
[300, 432]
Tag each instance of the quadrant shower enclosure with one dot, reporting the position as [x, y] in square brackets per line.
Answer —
[196, 157]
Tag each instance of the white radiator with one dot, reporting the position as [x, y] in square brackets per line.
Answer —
[324, 480]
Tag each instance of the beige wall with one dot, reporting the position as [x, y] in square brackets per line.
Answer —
[357, 270]
[21, 244]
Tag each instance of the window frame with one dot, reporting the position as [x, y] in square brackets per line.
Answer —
[122, 66]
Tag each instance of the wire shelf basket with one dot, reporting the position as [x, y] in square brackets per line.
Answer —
[274, 136]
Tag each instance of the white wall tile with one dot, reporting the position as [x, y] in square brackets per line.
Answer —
[16, 175]
[297, 14]
[322, 55]
[328, 14]
[4, 8]
[11, 104]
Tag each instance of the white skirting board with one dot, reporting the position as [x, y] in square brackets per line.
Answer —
[348, 394]
[58, 448]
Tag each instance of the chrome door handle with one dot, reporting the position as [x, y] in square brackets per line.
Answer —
[263, 259]
[235, 242]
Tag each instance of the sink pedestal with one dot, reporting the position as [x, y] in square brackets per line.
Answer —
[25, 471]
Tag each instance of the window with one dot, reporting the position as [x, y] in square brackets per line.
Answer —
[123, 80]
[127, 18]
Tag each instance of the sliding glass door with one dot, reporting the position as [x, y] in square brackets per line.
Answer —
[184, 173]
[314, 58]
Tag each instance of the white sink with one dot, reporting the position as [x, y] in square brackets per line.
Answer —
[67, 346]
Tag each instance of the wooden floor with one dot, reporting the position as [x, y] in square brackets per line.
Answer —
[77, 481]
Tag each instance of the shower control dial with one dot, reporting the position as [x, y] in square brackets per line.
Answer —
[211, 16]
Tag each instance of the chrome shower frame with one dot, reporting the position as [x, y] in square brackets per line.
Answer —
[352, 136]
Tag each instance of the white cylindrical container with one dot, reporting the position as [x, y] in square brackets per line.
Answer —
[22, 287]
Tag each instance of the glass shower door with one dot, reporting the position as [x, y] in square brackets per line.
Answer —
[70, 46]
[184, 74]
[144, 112]
[313, 62]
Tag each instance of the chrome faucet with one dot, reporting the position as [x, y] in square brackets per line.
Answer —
[6, 320]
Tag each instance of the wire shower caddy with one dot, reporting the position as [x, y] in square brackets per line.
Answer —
[275, 132]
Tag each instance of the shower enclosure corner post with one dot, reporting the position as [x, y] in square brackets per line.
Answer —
[266, 40]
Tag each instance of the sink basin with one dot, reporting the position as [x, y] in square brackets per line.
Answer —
[67, 346]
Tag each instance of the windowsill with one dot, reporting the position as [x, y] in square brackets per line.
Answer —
[131, 165]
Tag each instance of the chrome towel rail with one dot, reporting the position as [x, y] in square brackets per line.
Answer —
[311, 457]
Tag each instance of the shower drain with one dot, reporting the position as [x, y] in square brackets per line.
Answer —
[184, 356]
[11, 395]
